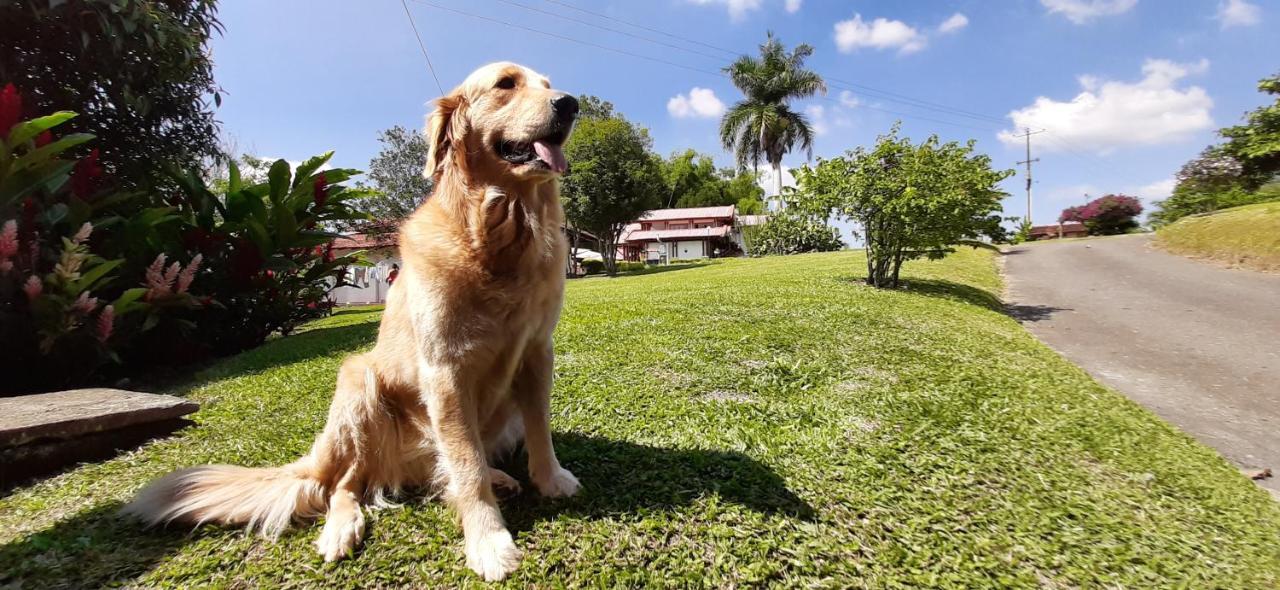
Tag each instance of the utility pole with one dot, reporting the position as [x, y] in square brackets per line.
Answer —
[1027, 133]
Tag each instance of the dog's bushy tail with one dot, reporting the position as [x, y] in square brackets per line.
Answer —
[266, 500]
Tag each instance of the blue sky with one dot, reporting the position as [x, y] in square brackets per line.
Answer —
[1127, 89]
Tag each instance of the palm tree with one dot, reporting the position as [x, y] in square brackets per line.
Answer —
[762, 125]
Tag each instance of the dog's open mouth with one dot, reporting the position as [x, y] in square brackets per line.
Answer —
[545, 152]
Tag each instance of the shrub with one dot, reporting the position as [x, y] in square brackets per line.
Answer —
[629, 266]
[791, 233]
[911, 200]
[593, 267]
[1106, 215]
[95, 282]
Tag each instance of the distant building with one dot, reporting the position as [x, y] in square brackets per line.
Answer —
[369, 283]
[665, 235]
[1070, 229]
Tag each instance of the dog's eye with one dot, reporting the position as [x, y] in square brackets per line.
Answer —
[506, 83]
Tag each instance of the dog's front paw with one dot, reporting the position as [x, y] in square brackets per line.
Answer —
[493, 555]
[559, 484]
[340, 536]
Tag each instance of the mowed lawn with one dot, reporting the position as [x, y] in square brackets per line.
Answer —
[743, 423]
[1246, 236]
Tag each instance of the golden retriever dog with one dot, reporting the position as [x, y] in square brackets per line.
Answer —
[462, 368]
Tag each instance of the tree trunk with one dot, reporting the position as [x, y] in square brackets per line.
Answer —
[777, 181]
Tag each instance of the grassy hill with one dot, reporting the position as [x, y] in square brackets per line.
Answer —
[747, 422]
[1247, 236]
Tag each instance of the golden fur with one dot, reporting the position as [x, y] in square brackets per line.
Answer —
[463, 363]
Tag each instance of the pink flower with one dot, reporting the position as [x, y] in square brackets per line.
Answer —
[83, 233]
[155, 283]
[33, 287]
[171, 275]
[188, 274]
[85, 304]
[106, 323]
[9, 239]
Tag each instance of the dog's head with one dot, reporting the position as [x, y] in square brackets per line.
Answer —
[505, 120]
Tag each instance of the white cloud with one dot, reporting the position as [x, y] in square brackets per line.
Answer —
[738, 9]
[818, 119]
[880, 33]
[1238, 13]
[700, 102]
[848, 99]
[793, 6]
[1155, 191]
[955, 23]
[1109, 114]
[1083, 11]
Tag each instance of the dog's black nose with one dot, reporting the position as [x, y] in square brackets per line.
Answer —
[565, 106]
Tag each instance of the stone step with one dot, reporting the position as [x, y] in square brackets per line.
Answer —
[44, 433]
[70, 414]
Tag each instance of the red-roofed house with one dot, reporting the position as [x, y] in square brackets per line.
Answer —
[1069, 229]
[664, 235]
[370, 282]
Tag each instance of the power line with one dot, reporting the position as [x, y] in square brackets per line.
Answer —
[423, 47]
[565, 38]
[837, 82]
[639, 26]
[611, 30]
[1027, 133]
[668, 63]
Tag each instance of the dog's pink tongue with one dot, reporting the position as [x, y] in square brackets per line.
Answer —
[552, 155]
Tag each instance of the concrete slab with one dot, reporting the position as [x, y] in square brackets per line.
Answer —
[76, 413]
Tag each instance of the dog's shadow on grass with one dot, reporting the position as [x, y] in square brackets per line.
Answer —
[621, 478]
[95, 548]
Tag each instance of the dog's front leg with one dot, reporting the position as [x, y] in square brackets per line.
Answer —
[532, 388]
[489, 547]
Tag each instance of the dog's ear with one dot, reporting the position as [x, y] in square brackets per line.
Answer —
[443, 126]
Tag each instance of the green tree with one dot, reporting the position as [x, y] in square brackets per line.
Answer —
[396, 173]
[762, 126]
[910, 200]
[138, 72]
[791, 232]
[1256, 143]
[691, 180]
[613, 176]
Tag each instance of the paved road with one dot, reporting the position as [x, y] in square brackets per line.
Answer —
[1197, 344]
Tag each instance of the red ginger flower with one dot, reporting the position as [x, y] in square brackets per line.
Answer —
[10, 109]
[33, 288]
[321, 190]
[44, 138]
[84, 179]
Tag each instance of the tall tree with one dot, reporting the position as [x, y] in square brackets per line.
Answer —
[613, 176]
[396, 173]
[138, 72]
[692, 180]
[1256, 143]
[762, 126]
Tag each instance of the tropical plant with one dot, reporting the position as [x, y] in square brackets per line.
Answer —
[614, 177]
[910, 200]
[1106, 215]
[762, 126]
[791, 232]
[95, 281]
[138, 72]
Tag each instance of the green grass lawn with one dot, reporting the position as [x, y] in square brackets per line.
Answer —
[747, 422]
[1247, 236]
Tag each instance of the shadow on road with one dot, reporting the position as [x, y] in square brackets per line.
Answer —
[1033, 313]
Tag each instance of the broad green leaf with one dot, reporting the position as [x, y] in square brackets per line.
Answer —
[54, 148]
[23, 132]
[278, 179]
[306, 169]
